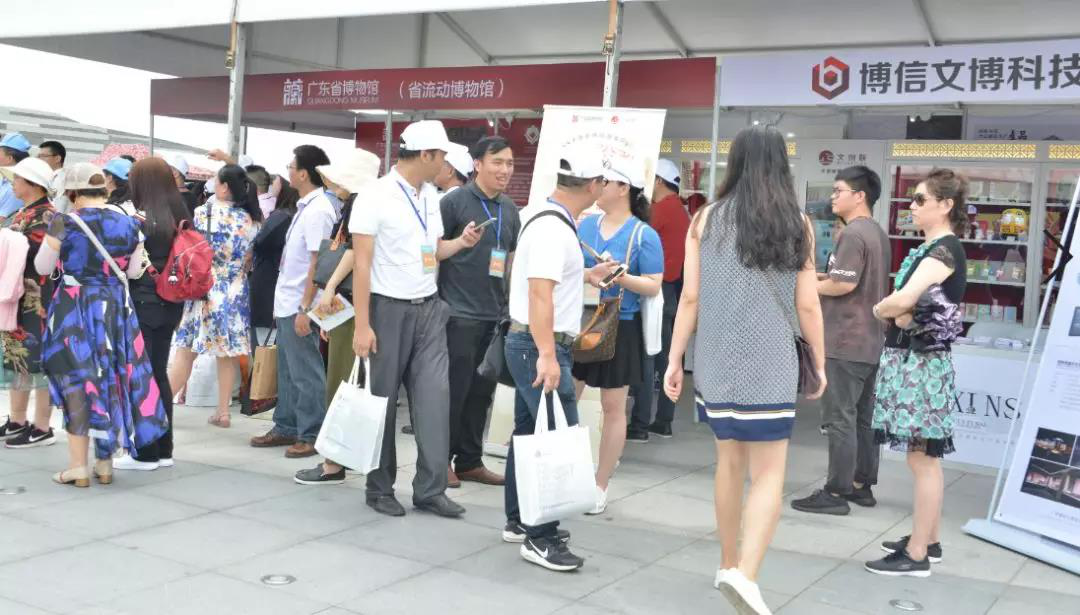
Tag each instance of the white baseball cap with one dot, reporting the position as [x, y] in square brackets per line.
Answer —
[244, 161]
[460, 158]
[178, 162]
[425, 135]
[668, 171]
[33, 170]
[585, 160]
[625, 171]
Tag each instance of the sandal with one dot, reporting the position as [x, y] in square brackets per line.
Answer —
[103, 471]
[220, 420]
[78, 477]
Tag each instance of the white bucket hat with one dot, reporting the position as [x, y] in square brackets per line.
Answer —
[352, 171]
[33, 170]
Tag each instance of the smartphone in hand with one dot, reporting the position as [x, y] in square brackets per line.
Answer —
[614, 275]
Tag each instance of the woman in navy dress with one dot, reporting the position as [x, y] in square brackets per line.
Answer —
[93, 352]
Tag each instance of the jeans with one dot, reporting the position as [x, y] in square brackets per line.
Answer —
[521, 356]
[470, 393]
[643, 393]
[848, 405]
[301, 383]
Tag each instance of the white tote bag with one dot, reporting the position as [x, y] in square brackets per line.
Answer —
[554, 469]
[652, 312]
[352, 431]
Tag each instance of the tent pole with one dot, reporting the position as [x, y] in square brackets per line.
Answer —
[711, 188]
[151, 133]
[612, 51]
[236, 89]
[388, 135]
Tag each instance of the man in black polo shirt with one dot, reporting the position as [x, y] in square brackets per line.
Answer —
[474, 283]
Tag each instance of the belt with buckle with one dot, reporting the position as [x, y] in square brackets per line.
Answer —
[420, 301]
[563, 339]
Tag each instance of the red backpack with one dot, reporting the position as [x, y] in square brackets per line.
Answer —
[188, 274]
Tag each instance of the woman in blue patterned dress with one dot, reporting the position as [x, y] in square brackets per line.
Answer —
[220, 324]
[915, 384]
[93, 352]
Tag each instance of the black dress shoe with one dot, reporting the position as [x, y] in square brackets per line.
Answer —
[442, 506]
[386, 504]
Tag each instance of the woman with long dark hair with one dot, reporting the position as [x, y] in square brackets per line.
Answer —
[220, 324]
[750, 259]
[161, 208]
[916, 384]
[621, 234]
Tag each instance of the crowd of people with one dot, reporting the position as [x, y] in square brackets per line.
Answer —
[438, 262]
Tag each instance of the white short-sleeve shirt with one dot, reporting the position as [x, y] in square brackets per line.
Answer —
[391, 211]
[314, 220]
[548, 249]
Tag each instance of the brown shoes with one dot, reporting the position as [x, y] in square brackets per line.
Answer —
[481, 475]
[272, 438]
[452, 479]
[300, 449]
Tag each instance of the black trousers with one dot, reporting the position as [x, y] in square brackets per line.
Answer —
[158, 322]
[470, 394]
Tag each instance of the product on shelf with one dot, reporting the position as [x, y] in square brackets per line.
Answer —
[1010, 313]
[971, 311]
[1014, 222]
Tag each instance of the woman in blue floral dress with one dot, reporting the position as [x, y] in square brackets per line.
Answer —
[915, 382]
[220, 325]
[93, 352]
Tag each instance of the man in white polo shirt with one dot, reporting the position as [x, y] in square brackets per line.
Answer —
[546, 302]
[400, 320]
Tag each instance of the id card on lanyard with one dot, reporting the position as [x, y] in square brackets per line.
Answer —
[428, 259]
[497, 262]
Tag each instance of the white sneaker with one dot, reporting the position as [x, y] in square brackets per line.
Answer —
[601, 502]
[127, 462]
[165, 462]
[741, 592]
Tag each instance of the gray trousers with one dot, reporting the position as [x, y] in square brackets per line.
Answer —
[411, 344]
[301, 381]
[848, 405]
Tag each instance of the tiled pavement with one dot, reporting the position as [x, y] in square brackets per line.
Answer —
[197, 538]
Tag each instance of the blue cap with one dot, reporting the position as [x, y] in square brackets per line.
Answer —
[119, 167]
[15, 140]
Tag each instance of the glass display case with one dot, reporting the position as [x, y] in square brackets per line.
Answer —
[998, 241]
[1060, 185]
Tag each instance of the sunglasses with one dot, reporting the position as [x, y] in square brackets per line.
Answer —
[918, 200]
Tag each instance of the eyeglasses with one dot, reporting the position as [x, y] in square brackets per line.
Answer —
[836, 191]
[290, 167]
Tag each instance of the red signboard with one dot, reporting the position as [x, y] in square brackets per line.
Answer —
[678, 83]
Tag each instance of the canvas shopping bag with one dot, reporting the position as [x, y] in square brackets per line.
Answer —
[262, 386]
[554, 469]
[352, 431]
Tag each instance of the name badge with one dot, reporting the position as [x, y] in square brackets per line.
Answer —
[427, 257]
[497, 265]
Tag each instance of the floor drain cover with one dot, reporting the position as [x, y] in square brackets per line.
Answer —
[906, 605]
[12, 490]
[278, 579]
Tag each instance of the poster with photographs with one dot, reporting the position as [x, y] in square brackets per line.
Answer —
[1042, 489]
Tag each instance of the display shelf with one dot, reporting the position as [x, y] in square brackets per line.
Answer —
[988, 282]
[992, 242]
[993, 203]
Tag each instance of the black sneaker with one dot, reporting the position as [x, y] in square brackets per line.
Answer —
[822, 502]
[900, 564]
[315, 476]
[553, 555]
[862, 496]
[31, 438]
[515, 532]
[933, 552]
[636, 435]
[11, 429]
[664, 431]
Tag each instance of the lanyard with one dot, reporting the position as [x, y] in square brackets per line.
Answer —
[498, 222]
[416, 210]
[567, 211]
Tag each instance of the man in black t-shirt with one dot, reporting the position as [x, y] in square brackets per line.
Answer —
[473, 282]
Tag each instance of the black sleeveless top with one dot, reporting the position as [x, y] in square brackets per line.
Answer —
[948, 250]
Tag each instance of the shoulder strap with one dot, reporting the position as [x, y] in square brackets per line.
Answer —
[101, 250]
[545, 213]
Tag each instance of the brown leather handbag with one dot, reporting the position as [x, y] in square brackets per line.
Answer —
[596, 342]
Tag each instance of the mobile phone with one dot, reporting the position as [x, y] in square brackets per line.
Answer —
[485, 223]
[614, 275]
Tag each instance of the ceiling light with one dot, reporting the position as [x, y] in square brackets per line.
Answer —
[757, 123]
[791, 135]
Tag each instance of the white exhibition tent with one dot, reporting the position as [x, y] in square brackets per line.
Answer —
[190, 37]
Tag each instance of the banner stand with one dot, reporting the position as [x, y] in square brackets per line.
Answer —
[1032, 544]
